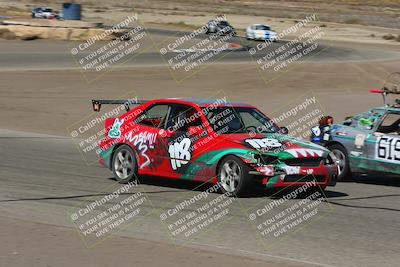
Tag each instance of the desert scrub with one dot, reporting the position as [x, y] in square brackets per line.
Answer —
[389, 36]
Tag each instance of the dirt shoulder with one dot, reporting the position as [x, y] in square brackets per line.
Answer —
[345, 20]
[50, 101]
[382, 13]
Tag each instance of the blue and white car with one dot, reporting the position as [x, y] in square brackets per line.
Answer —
[261, 32]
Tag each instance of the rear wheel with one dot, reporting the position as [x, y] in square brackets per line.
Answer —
[233, 176]
[124, 165]
[342, 160]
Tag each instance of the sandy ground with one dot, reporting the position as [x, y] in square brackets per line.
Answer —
[36, 244]
[37, 101]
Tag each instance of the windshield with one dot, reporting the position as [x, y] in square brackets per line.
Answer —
[224, 23]
[367, 120]
[227, 120]
[263, 27]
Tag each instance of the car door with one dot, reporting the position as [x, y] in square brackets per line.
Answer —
[146, 139]
[184, 138]
[383, 146]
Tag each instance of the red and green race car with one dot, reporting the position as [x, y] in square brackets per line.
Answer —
[216, 141]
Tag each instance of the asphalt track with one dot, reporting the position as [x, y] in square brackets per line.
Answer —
[36, 56]
[44, 177]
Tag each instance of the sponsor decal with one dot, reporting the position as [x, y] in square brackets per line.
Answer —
[304, 152]
[115, 131]
[316, 131]
[388, 149]
[179, 153]
[308, 171]
[359, 140]
[321, 133]
[291, 170]
[263, 143]
[143, 142]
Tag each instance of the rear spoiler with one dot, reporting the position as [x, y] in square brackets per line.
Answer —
[96, 103]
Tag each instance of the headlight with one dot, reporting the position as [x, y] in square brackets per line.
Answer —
[256, 157]
[264, 159]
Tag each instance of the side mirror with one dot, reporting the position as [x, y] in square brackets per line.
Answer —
[284, 130]
[195, 130]
[166, 133]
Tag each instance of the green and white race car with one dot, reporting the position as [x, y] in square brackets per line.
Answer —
[367, 143]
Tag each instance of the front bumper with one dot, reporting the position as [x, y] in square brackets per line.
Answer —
[295, 176]
[265, 37]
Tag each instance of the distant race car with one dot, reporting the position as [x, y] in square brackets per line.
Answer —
[234, 144]
[221, 27]
[367, 143]
[260, 32]
[43, 13]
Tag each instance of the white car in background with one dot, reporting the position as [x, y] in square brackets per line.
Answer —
[260, 32]
[43, 13]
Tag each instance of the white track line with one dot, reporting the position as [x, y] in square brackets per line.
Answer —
[266, 255]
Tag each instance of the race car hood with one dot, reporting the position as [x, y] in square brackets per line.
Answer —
[279, 145]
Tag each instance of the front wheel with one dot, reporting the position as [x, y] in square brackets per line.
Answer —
[234, 177]
[124, 165]
[342, 160]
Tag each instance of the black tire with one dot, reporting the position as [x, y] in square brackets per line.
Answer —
[345, 169]
[128, 162]
[242, 181]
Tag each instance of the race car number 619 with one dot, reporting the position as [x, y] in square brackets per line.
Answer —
[388, 149]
